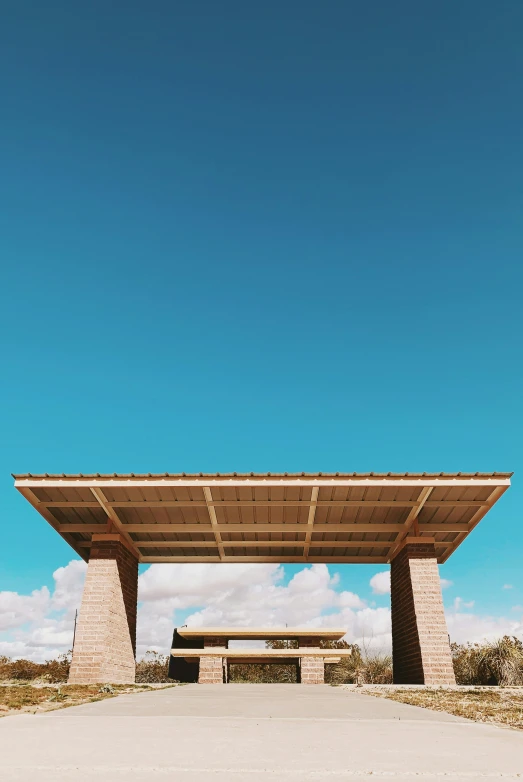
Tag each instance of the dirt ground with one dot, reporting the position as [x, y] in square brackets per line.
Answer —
[17, 698]
[495, 705]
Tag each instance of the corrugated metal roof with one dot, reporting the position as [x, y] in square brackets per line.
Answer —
[175, 475]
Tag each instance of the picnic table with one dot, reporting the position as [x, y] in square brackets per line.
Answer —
[204, 654]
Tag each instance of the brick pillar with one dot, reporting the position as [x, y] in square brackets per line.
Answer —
[420, 643]
[211, 670]
[105, 643]
[312, 669]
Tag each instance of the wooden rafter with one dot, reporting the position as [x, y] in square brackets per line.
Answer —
[270, 544]
[214, 521]
[339, 560]
[187, 544]
[204, 529]
[310, 520]
[115, 520]
[412, 519]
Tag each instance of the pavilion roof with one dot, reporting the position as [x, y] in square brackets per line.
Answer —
[265, 517]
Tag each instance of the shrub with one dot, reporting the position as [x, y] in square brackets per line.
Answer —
[358, 669]
[153, 668]
[26, 670]
[378, 669]
[496, 662]
[263, 673]
[355, 669]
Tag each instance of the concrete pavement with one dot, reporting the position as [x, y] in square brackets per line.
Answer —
[274, 732]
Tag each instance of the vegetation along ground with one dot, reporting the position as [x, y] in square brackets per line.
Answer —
[26, 686]
[497, 665]
[497, 705]
[32, 698]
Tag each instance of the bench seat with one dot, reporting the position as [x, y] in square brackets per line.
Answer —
[222, 651]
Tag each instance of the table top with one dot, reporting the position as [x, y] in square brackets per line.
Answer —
[263, 633]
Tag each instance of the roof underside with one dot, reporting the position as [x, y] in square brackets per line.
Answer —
[265, 517]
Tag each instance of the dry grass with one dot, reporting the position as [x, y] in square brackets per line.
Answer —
[18, 698]
[496, 706]
[52, 671]
[493, 662]
[153, 668]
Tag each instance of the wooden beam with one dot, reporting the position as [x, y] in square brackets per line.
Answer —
[201, 529]
[115, 519]
[248, 527]
[87, 529]
[232, 528]
[265, 503]
[262, 544]
[282, 559]
[201, 558]
[146, 544]
[177, 543]
[268, 503]
[411, 520]
[214, 521]
[310, 519]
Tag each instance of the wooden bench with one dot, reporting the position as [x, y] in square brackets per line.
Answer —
[212, 653]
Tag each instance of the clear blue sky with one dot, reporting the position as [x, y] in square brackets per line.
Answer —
[262, 236]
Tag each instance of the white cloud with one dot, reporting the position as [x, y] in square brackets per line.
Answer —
[69, 584]
[445, 583]
[507, 586]
[459, 603]
[40, 626]
[380, 583]
[16, 610]
[466, 627]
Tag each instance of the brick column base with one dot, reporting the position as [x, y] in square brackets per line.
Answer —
[105, 643]
[211, 670]
[420, 642]
[312, 670]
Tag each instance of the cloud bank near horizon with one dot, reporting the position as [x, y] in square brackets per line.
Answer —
[39, 626]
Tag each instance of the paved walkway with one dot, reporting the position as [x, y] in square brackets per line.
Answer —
[274, 732]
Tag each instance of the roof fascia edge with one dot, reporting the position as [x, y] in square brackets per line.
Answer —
[201, 482]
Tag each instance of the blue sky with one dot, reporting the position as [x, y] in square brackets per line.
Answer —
[280, 236]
